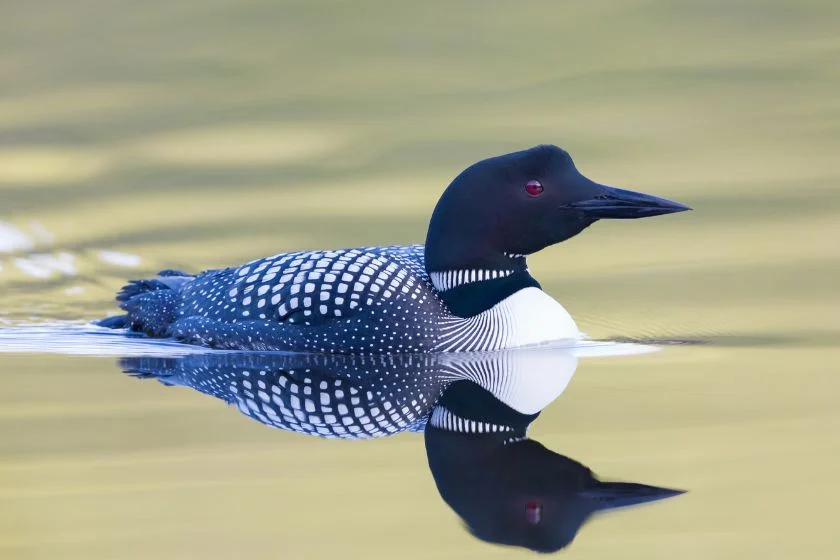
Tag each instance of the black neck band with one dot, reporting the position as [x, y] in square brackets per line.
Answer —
[468, 300]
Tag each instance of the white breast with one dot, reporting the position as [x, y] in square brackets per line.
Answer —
[525, 379]
[531, 316]
[528, 317]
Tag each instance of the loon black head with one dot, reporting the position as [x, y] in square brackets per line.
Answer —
[528, 496]
[509, 489]
[503, 208]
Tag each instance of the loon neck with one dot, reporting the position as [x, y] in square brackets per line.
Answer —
[468, 408]
[471, 290]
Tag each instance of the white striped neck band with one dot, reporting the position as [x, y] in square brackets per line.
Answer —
[443, 419]
[448, 279]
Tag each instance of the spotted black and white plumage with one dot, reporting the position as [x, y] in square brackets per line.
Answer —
[467, 289]
[368, 300]
[329, 396]
[359, 396]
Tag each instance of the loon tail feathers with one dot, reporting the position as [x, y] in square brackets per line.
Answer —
[150, 304]
[166, 280]
[152, 312]
[138, 287]
[165, 370]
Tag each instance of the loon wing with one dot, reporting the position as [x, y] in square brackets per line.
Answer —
[315, 287]
[344, 300]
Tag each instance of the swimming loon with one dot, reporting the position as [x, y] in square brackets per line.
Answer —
[467, 289]
[359, 396]
[510, 489]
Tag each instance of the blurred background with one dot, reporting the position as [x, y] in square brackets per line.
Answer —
[136, 136]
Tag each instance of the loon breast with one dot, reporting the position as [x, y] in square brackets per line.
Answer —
[534, 317]
[527, 317]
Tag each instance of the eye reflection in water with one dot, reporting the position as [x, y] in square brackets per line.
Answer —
[474, 411]
[510, 489]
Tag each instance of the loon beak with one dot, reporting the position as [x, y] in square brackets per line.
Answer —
[613, 495]
[611, 202]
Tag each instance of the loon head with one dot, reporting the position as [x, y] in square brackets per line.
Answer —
[528, 496]
[503, 208]
[509, 489]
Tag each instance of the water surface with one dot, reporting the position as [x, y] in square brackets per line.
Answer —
[148, 136]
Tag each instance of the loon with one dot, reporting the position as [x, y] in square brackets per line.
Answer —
[473, 409]
[508, 488]
[467, 289]
[359, 396]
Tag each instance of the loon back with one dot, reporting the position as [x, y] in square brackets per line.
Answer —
[467, 289]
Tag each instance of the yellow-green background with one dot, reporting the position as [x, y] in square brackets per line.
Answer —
[200, 134]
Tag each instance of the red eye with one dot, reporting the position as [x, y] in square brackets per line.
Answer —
[533, 512]
[534, 188]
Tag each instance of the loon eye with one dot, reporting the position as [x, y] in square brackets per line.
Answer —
[534, 188]
[533, 512]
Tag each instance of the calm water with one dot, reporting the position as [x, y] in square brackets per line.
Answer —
[136, 137]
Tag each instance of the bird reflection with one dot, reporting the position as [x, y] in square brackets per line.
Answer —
[357, 396]
[474, 410]
[510, 489]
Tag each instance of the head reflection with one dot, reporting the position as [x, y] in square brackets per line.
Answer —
[507, 488]
[474, 409]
